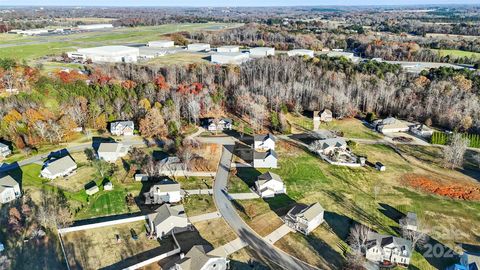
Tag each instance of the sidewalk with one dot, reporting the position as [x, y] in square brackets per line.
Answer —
[278, 234]
[204, 217]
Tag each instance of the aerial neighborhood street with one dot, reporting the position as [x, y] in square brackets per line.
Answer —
[215, 137]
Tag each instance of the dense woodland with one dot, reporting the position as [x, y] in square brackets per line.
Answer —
[163, 100]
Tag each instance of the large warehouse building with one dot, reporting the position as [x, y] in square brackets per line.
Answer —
[198, 47]
[107, 54]
[95, 26]
[227, 49]
[301, 52]
[262, 51]
[161, 44]
[229, 58]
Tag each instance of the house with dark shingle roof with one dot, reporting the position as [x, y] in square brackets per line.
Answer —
[198, 258]
[264, 142]
[388, 249]
[305, 218]
[266, 159]
[269, 184]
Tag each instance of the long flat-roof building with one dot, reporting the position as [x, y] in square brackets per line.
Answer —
[107, 54]
[262, 51]
[300, 52]
[161, 44]
[229, 58]
[228, 49]
[198, 47]
[95, 26]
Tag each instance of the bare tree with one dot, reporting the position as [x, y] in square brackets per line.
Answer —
[454, 152]
[418, 237]
[357, 241]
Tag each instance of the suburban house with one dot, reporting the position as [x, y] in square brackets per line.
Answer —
[9, 189]
[122, 128]
[198, 258]
[391, 125]
[61, 167]
[330, 145]
[388, 249]
[264, 142]
[305, 218]
[218, 125]
[269, 184]
[410, 222]
[163, 192]
[4, 150]
[421, 130]
[110, 152]
[168, 219]
[266, 159]
[170, 165]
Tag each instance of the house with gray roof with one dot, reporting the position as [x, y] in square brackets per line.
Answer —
[163, 192]
[4, 150]
[122, 128]
[330, 145]
[266, 159]
[269, 184]
[391, 125]
[167, 219]
[388, 249]
[221, 124]
[199, 258]
[305, 218]
[110, 152]
[264, 142]
[410, 222]
[9, 189]
[61, 167]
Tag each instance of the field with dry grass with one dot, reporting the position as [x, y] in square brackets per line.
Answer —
[98, 248]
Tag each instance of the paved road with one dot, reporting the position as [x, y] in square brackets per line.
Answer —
[135, 141]
[244, 232]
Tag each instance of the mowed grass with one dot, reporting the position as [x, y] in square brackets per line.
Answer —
[199, 204]
[458, 53]
[352, 128]
[30, 48]
[364, 195]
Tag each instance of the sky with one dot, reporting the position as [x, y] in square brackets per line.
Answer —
[226, 2]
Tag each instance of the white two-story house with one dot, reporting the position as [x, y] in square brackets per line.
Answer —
[305, 218]
[4, 150]
[269, 184]
[122, 128]
[9, 189]
[388, 249]
[264, 142]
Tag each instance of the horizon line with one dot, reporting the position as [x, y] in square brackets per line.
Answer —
[247, 6]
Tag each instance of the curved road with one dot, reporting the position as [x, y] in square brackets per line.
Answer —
[243, 231]
[136, 141]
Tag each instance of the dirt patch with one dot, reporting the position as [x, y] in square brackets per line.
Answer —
[442, 187]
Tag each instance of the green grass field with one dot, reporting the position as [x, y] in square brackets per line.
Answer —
[367, 196]
[458, 53]
[30, 48]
